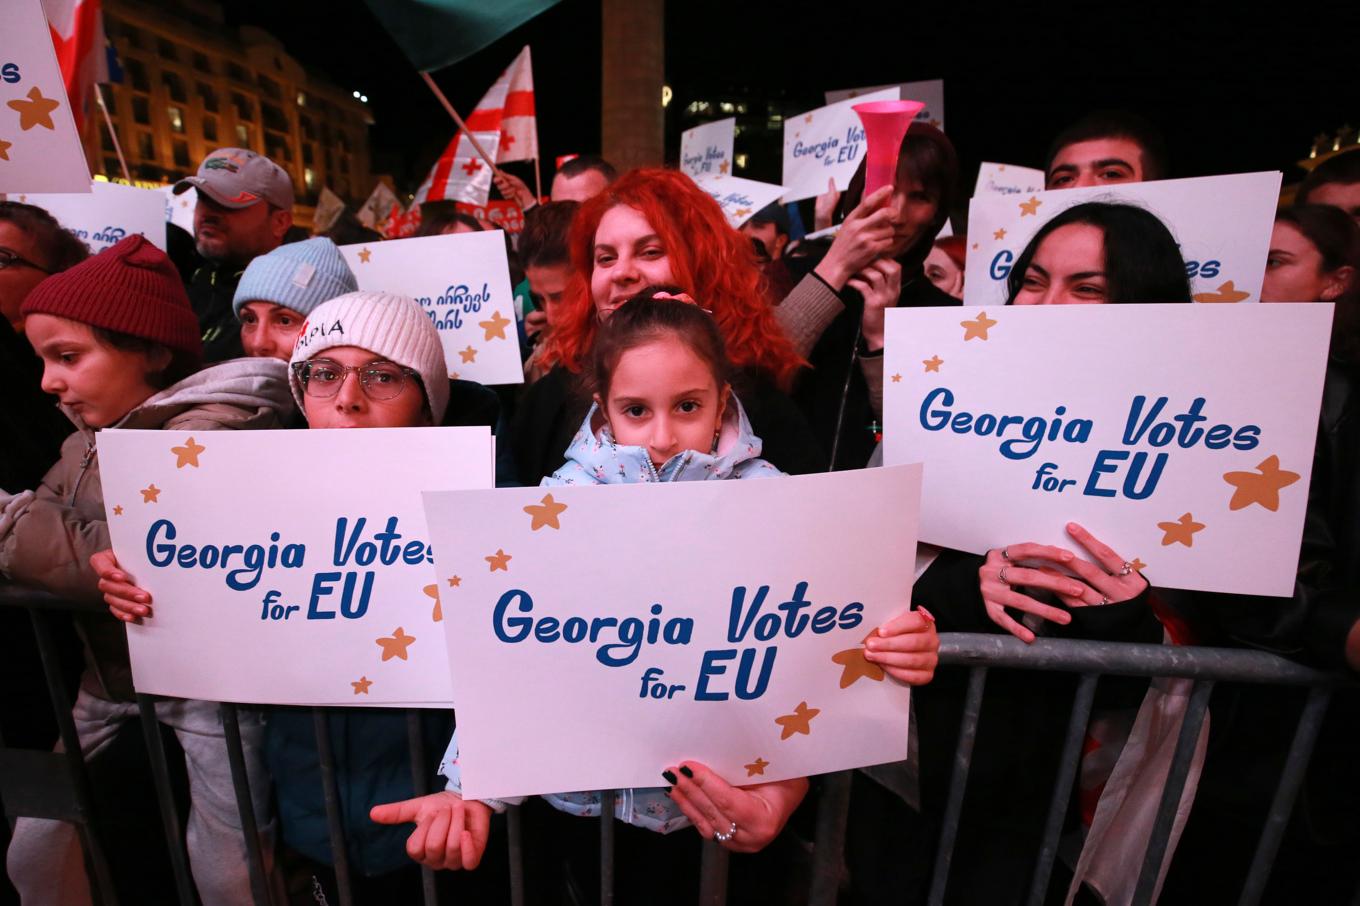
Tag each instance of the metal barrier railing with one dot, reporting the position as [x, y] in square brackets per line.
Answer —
[977, 653]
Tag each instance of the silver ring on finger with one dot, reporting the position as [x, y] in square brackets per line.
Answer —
[1005, 554]
[1125, 569]
[720, 837]
[1002, 576]
[1104, 599]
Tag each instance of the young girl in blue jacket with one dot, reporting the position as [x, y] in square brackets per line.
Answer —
[664, 411]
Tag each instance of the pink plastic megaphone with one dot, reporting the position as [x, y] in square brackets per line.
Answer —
[885, 124]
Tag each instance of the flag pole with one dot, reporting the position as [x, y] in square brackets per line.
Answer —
[538, 177]
[108, 121]
[462, 126]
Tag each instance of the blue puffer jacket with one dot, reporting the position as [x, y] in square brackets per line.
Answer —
[594, 458]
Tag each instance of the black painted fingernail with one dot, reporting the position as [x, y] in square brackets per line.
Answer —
[666, 790]
[670, 778]
[687, 772]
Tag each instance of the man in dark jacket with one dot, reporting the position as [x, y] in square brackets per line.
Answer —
[245, 206]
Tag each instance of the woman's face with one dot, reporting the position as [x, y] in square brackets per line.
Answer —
[1068, 268]
[628, 256]
[913, 211]
[269, 330]
[100, 383]
[350, 406]
[1294, 269]
[664, 397]
[944, 273]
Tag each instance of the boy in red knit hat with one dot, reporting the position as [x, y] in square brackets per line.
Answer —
[119, 344]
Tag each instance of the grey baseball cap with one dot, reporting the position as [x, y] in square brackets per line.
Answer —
[237, 178]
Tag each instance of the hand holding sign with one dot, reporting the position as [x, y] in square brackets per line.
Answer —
[742, 819]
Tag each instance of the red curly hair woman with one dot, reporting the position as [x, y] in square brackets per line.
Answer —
[656, 227]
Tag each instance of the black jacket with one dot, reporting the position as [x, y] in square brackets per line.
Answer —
[553, 408]
[836, 376]
[211, 290]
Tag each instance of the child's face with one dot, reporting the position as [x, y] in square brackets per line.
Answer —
[350, 406]
[664, 397]
[99, 383]
[269, 330]
[627, 257]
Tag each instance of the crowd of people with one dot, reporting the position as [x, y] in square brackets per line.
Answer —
[659, 344]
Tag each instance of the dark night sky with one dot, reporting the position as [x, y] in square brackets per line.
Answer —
[1234, 90]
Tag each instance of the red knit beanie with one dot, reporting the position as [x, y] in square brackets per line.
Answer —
[130, 288]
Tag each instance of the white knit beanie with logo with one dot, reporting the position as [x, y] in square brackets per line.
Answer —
[389, 325]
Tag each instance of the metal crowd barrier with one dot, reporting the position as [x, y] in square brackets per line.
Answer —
[65, 792]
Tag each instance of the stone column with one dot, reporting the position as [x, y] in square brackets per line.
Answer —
[632, 123]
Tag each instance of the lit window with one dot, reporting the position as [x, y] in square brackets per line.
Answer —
[741, 161]
[309, 179]
[726, 107]
[176, 119]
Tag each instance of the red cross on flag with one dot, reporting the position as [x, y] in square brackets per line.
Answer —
[460, 174]
[77, 28]
[509, 107]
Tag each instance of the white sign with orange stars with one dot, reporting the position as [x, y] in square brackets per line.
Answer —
[1222, 224]
[462, 281]
[1181, 436]
[40, 150]
[739, 198]
[287, 567]
[707, 150]
[826, 143]
[109, 213]
[601, 634]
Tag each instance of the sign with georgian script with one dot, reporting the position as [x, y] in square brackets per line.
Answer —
[739, 198]
[287, 567]
[40, 149]
[1180, 435]
[462, 281]
[826, 143]
[1222, 223]
[598, 634]
[707, 150]
[109, 213]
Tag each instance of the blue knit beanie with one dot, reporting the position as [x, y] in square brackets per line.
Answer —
[299, 275]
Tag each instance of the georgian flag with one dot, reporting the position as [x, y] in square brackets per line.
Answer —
[509, 108]
[77, 28]
[460, 174]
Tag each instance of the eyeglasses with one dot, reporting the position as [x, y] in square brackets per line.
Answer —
[323, 378]
[10, 259]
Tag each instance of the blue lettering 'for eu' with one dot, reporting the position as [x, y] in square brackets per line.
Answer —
[323, 586]
[713, 666]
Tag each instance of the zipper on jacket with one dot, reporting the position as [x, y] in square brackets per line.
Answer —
[84, 465]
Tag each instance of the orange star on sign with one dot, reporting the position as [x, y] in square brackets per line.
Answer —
[856, 666]
[1262, 486]
[1182, 530]
[150, 494]
[187, 455]
[36, 111]
[999, 234]
[469, 354]
[4, 149]
[361, 685]
[433, 592]
[756, 767]
[798, 722]
[499, 560]
[118, 511]
[977, 328]
[739, 213]
[1226, 292]
[933, 363]
[897, 378]
[395, 645]
[1137, 565]
[455, 581]
[494, 327]
[723, 167]
[364, 255]
[545, 513]
[1030, 207]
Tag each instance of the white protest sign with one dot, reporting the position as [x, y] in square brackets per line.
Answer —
[40, 150]
[1180, 435]
[462, 281]
[598, 634]
[1222, 223]
[1008, 179]
[108, 213]
[316, 591]
[179, 209]
[739, 198]
[707, 150]
[929, 92]
[826, 143]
